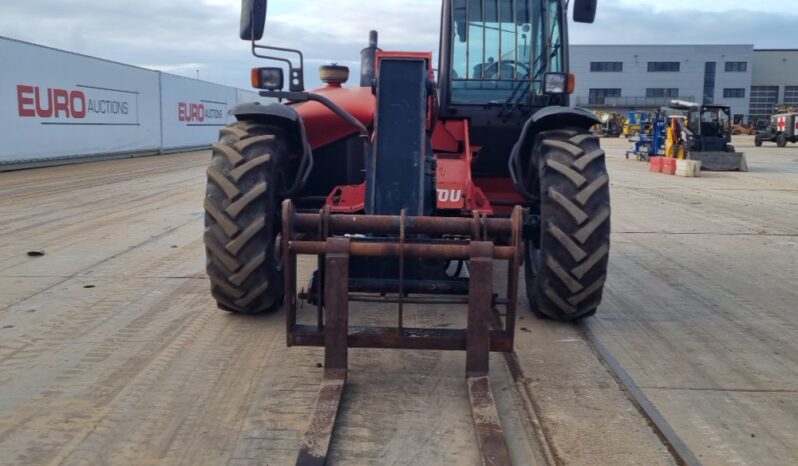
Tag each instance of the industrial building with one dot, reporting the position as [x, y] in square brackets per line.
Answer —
[774, 81]
[630, 77]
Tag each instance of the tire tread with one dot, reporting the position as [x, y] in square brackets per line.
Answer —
[568, 280]
[241, 208]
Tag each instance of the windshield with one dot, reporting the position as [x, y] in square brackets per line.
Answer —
[499, 45]
[715, 121]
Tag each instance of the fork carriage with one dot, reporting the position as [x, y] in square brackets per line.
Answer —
[339, 240]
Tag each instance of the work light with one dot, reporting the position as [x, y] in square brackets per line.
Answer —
[555, 83]
[270, 79]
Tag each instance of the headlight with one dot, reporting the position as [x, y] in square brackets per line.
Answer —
[270, 79]
[555, 83]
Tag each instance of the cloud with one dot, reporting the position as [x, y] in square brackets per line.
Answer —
[182, 36]
[710, 6]
[636, 23]
[402, 23]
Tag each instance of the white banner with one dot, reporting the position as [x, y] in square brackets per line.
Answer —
[252, 96]
[60, 104]
[193, 111]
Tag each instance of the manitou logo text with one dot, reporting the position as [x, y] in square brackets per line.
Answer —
[34, 101]
[450, 195]
[197, 113]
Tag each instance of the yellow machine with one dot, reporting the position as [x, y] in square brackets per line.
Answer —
[638, 123]
[630, 129]
[743, 129]
[611, 125]
[673, 146]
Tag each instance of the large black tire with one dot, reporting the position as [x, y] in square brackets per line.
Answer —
[242, 218]
[566, 265]
[758, 140]
[781, 140]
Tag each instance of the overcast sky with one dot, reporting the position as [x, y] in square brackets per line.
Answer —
[182, 36]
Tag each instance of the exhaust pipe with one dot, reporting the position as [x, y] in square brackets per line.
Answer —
[368, 61]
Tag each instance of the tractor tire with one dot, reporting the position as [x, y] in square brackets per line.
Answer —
[242, 218]
[758, 140]
[781, 140]
[566, 261]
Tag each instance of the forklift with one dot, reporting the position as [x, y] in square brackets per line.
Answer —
[406, 187]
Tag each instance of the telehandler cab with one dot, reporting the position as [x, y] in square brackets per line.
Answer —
[408, 188]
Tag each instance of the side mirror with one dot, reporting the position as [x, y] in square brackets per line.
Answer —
[253, 19]
[585, 11]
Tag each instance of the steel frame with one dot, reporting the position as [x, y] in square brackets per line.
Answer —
[334, 245]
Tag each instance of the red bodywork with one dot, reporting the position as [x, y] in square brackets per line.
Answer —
[323, 126]
[457, 191]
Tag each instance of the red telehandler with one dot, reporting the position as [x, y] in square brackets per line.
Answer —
[409, 187]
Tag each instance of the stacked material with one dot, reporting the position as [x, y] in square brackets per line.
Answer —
[688, 168]
[671, 166]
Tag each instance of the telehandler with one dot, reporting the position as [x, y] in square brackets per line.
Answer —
[408, 186]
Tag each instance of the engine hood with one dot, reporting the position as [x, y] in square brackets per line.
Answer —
[323, 126]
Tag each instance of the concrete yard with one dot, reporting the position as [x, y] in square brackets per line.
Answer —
[113, 352]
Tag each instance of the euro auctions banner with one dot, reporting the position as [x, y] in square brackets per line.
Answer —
[57, 104]
[193, 111]
[245, 96]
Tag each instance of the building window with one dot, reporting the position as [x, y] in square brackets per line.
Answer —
[606, 66]
[791, 96]
[736, 66]
[662, 92]
[599, 96]
[709, 82]
[664, 66]
[734, 93]
[763, 99]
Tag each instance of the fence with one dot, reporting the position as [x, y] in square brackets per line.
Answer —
[57, 106]
[628, 102]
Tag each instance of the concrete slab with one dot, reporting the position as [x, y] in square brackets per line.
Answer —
[700, 307]
[125, 359]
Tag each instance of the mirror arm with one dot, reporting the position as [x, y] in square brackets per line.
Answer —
[296, 78]
[267, 57]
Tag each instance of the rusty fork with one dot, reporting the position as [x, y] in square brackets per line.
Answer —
[332, 331]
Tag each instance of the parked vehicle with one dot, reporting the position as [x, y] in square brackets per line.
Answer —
[781, 129]
[408, 188]
[703, 132]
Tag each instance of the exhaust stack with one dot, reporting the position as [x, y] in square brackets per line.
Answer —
[368, 61]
